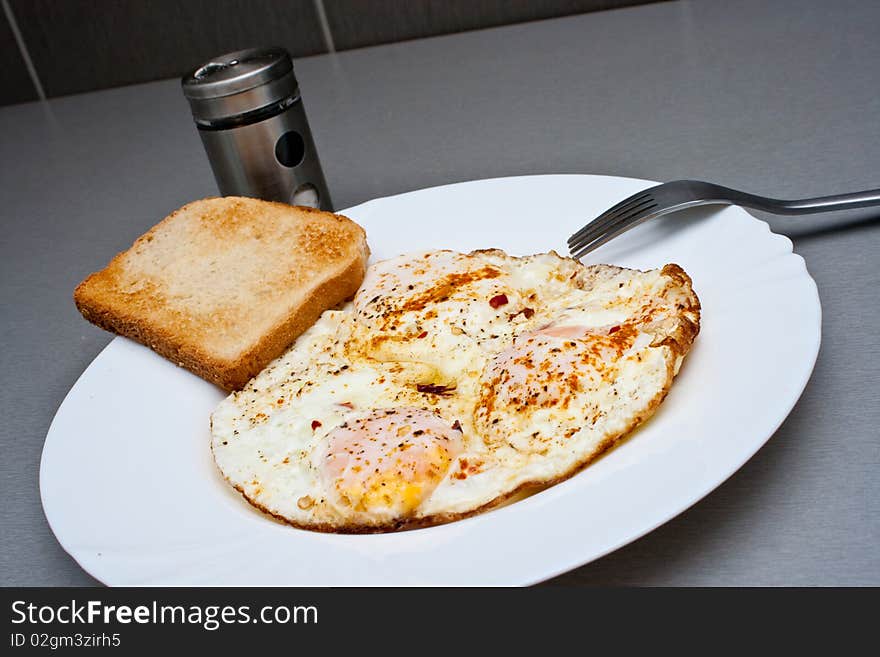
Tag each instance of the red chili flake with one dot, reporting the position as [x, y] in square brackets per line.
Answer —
[315, 424]
[498, 300]
[613, 329]
[423, 334]
[346, 404]
[457, 426]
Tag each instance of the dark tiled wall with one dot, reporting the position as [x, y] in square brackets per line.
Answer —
[81, 45]
[15, 83]
[358, 23]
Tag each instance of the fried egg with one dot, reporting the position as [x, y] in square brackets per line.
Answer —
[451, 382]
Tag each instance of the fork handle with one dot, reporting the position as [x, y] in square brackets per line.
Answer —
[866, 199]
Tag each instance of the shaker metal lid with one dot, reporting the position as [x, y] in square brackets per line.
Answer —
[237, 71]
[232, 87]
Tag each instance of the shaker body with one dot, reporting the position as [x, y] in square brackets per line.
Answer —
[274, 159]
[248, 110]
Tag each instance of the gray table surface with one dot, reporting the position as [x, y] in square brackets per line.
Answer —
[773, 97]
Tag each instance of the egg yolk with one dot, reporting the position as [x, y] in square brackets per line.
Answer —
[545, 374]
[539, 371]
[386, 463]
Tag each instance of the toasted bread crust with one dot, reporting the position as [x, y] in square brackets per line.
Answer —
[149, 317]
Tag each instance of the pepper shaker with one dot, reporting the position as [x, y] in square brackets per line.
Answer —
[247, 108]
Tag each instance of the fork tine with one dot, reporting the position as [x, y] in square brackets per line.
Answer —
[612, 211]
[600, 225]
[580, 251]
[598, 228]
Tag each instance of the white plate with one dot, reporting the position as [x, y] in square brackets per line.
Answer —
[130, 490]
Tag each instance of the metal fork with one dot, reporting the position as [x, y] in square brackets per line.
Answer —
[680, 194]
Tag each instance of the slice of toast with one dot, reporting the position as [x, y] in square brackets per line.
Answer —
[223, 286]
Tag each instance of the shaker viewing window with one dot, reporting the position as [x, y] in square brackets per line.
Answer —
[290, 148]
